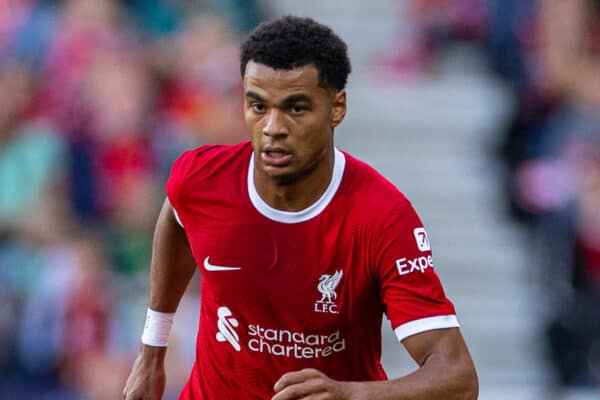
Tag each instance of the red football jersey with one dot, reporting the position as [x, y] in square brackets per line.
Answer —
[283, 291]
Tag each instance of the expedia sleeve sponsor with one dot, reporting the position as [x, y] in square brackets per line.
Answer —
[406, 266]
[409, 287]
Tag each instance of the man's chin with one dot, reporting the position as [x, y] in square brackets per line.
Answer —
[279, 175]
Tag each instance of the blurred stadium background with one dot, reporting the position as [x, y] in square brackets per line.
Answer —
[484, 112]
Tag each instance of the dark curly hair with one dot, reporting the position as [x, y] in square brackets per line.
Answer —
[292, 42]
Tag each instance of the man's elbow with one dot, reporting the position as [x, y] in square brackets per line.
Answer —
[469, 383]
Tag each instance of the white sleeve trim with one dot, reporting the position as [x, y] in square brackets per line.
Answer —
[426, 324]
[177, 217]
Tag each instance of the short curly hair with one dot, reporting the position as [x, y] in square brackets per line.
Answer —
[291, 42]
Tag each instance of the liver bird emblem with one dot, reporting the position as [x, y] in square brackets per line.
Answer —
[327, 285]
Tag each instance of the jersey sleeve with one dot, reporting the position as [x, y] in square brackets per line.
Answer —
[175, 187]
[411, 290]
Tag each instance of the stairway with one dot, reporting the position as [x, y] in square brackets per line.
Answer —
[429, 137]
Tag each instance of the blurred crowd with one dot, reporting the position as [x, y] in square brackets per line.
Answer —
[550, 56]
[97, 98]
[547, 53]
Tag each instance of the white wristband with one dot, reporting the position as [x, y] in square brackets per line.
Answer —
[157, 328]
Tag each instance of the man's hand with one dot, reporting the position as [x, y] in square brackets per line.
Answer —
[147, 378]
[309, 384]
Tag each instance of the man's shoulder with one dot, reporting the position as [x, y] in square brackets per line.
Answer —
[366, 184]
[376, 202]
[215, 152]
[208, 160]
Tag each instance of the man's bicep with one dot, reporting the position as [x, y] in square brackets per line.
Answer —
[170, 240]
[172, 264]
[445, 345]
[445, 362]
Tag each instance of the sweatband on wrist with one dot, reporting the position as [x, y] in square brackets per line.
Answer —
[157, 328]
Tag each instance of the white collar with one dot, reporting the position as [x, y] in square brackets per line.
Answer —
[291, 217]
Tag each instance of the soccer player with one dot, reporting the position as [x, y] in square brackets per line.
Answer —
[302, 248]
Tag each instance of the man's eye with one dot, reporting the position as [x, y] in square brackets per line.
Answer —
[297, 109]
[257, 107]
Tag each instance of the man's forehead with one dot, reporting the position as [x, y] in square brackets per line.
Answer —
[262, 75]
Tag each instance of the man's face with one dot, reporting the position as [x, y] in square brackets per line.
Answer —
[291, 119]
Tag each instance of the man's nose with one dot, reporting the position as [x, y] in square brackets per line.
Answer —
[274, 125]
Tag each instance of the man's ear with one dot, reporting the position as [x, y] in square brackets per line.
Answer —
[338, 108]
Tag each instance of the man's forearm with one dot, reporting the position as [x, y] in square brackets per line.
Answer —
[432, 381]
[446, 371]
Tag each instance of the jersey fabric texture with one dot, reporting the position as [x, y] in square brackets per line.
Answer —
[282, 291]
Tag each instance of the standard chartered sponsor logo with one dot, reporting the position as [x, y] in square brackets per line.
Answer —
[285, 343]
[406, 266]
[278, 342]
[226, 323]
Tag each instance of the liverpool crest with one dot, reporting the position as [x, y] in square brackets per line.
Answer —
[326, 286]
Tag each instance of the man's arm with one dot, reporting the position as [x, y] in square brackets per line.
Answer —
[570, 67]
[446, 372]
[172, 267]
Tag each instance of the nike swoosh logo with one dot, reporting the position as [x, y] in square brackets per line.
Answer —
[212, 267]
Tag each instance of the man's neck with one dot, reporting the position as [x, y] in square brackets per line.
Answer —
[299, 194]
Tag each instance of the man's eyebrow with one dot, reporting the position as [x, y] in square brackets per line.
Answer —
[294, 98]
[297, 98]
[252, 95]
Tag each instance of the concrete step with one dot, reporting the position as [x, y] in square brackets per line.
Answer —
[435, 105]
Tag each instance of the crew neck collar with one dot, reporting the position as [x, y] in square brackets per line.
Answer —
[292, 217]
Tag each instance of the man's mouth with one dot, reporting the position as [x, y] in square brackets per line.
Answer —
[275, 157]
